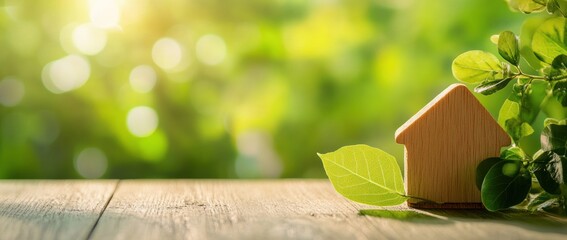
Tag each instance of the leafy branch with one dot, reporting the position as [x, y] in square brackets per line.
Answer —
[507, 180]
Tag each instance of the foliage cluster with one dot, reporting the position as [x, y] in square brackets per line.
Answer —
[536, 65]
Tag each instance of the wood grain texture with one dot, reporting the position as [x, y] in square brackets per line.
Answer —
[444, 142]
[53, 209]
[292, 209]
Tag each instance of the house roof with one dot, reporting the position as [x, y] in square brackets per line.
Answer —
[455, 92]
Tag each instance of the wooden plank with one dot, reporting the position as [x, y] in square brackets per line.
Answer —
[292, 209]
[54, 209]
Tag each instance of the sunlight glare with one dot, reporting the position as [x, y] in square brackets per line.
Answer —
[104, 13]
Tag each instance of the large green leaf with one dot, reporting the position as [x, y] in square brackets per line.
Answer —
[483, 168]
[506, 184]
[551, 171]
[549, 40]
[526, 35]
[508, 47]
[365, 174]
[477, 66]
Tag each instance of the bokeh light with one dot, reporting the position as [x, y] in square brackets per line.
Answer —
[88, 39]
[11, 92]
[66, 74]
[104, 13]
[167, 53]
[142, 121]
[210, 49]
[91, 163]
[143, 78]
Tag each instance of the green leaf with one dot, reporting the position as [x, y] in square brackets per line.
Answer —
[561, 9]
[557, 68]
[477, 66]
[517, 129]
[365, 174]
[508, 47]
[513, 153]
[509, 110]
[494, 39]
[526, 6]
[560, 62]
[560, 92]
[549, 121]
[551, 171]
[526, 35]
[537, 154]
[482, 169]
[549, 41]
[557, 6]
[554, 137]
[552, 6]
[506, 184]
[508, 118]
[487, 88]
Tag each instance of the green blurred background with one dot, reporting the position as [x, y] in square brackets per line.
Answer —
[222, 89]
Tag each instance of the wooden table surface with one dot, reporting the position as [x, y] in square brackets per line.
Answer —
[237, 209]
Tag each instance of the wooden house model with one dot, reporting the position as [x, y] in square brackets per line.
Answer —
[444, 143]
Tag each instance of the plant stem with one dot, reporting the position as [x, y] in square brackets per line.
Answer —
[547, 78]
